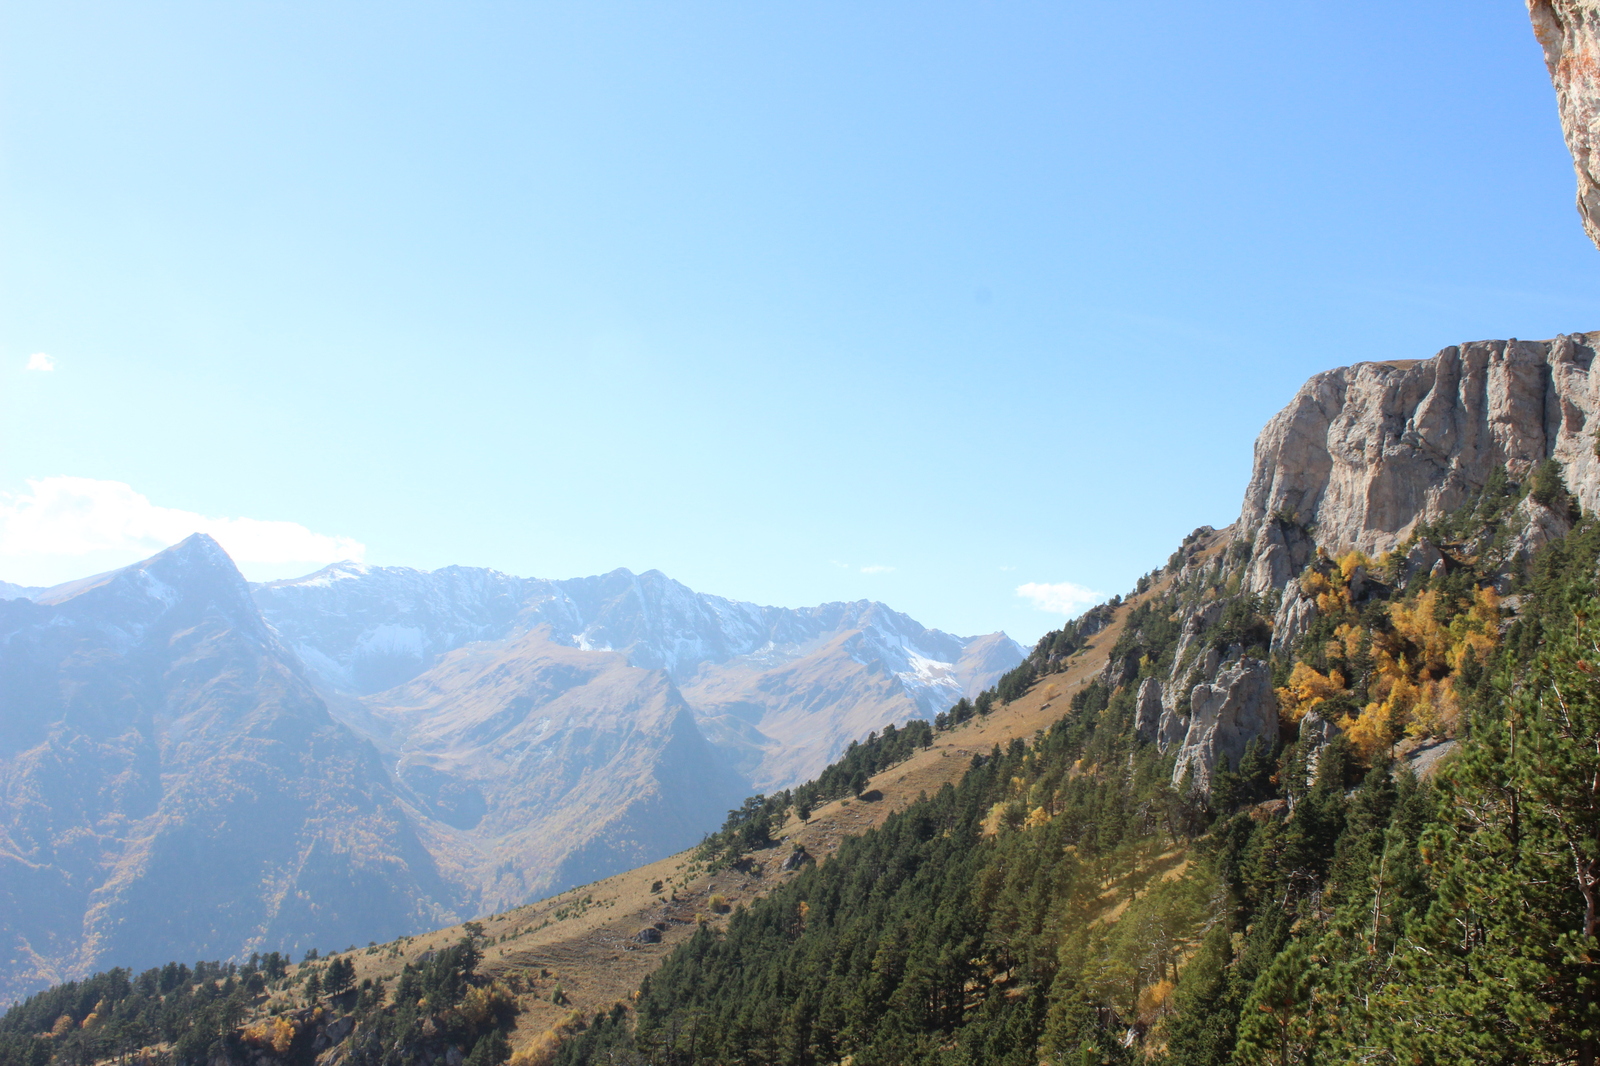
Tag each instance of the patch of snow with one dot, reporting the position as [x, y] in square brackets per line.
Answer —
[392, 639]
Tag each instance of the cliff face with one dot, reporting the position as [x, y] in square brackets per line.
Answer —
[1569, 33]
[1364, 452]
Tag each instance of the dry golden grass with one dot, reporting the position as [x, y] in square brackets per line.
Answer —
[583, 941]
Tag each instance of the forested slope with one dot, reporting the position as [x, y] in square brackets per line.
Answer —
[1069, 902]
[1080, 897]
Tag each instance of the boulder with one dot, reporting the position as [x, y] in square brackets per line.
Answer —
[1421, 559]
[648, 935]
[1226, 715]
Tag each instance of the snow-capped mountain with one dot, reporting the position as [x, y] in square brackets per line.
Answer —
[363, 630]
[368, 751]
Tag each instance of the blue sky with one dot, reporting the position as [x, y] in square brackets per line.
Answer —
[914, 302]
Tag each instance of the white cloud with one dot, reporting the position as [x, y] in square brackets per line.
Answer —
[877, 569]
[1061, 598]
[40, 361]
[79, 516]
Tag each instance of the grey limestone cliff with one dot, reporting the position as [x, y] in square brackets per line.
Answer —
[1364, 452]
[1236, 708]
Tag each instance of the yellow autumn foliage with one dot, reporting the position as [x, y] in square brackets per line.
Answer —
[1306, 689]
[1154, 1000]
[276, 1033]
[1350, 561]
[541, 1050]
[1410, 688]
[483, 1002]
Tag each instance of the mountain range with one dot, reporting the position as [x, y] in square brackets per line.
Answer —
[195, 767]
[1322, 788]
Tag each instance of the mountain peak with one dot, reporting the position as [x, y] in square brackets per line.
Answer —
[343, 570]
[194, 576]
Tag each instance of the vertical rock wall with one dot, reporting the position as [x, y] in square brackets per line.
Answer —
[1362, 453]
[1569, 33]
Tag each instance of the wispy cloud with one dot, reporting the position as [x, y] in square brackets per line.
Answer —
[1063, 597]
[863, 569]
[76, 516]
[40, 361]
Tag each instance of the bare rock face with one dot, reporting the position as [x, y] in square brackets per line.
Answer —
[1227, 714]
[1316, 733]
[1569, 33]
[1281, 550]
[1296, 612]
[1171, 729]
[1364, 452]
[1539, 526]
[1147, 718]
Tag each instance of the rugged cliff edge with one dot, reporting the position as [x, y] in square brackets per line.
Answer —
[1569, 33]
[1365, 452]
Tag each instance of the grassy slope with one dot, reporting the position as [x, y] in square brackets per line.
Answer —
[582, 940]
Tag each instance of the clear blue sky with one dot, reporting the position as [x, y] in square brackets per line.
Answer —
[795, 302]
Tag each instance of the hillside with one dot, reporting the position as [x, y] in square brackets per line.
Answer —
[1087, 870]
[1209, 823]
[586, 941]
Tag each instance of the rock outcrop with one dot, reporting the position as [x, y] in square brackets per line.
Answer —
[1226, 715]
[1569, 33]
[1316, 733]
[1147, 716]
[1364, 452]
[1296, 612]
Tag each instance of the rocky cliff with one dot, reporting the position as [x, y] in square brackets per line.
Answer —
[1364, 452]
[1569, 33]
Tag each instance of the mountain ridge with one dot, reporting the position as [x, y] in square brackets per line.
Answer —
[364, 630]
[519, 761]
